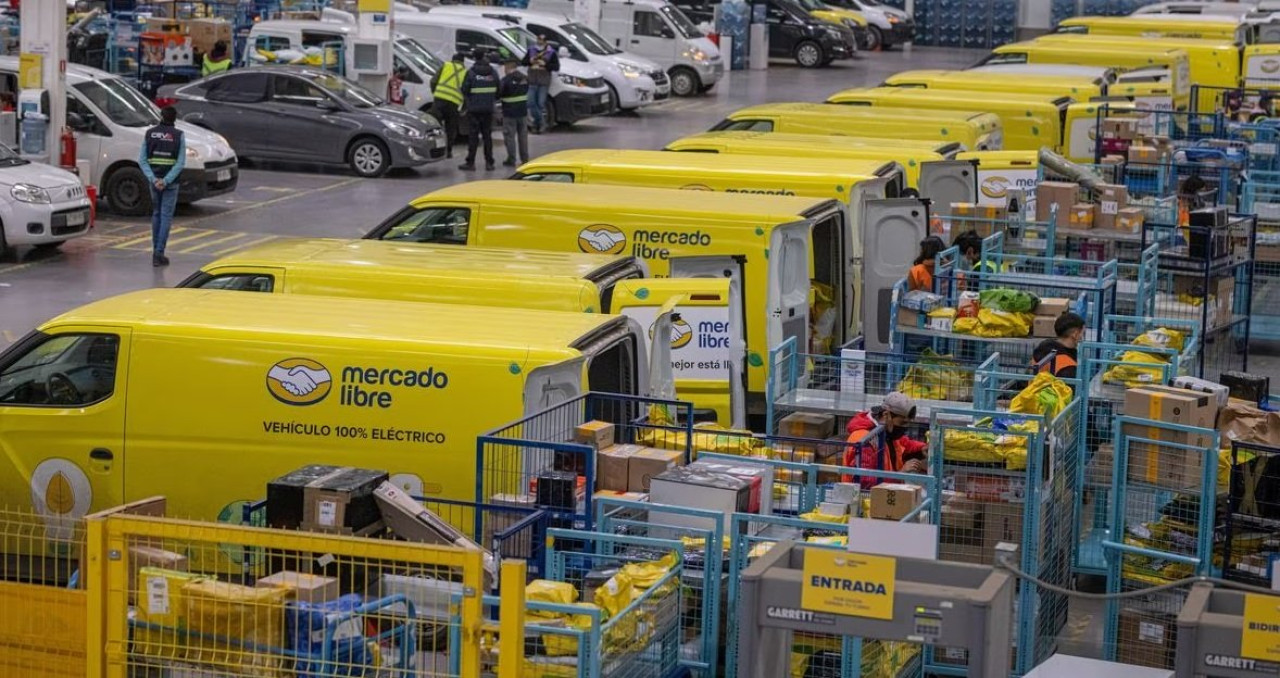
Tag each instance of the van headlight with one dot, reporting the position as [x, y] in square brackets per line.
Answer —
[696, 55]
[403, 129]
[630, 71]
[193, 154]
[572, 81]
[29, 193]
[894, 19]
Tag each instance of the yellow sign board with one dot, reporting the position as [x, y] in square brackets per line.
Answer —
[30, 71]
[851, 584]
[381, 6]
[1260, 637]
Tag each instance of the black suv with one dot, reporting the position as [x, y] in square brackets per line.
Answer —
[793, 32]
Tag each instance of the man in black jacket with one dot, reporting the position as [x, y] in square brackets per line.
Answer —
[480, 90]
[513, 92]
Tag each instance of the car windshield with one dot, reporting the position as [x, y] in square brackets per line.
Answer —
[681, 22]
[344, 89]
[519, 37]
[120, 102]
[9, 158]
[588, 39]
[412, 51]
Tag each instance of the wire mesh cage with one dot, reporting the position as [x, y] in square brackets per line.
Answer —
[1251, 545]
[1165, 517]
[43, 606]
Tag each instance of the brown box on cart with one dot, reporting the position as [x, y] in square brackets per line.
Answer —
[911, 320]
[205, 33]
[1130, 220]
[807, 425]
[597, 434]
[1080, 216]
[647, 463]
[893, 501]
[150, 556]
[1147, 638]
[1120, 128]
[1165, 465]
[303, 587]
[1060, 193]
[1224, 290]
[613, 467]
[1111, 199]
[1053, 306]
[1042, 326]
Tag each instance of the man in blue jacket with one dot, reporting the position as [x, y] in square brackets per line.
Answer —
[163, 156]
[480, 90]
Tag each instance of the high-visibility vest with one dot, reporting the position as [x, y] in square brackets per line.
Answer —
[1061, 361]
[209, 67]
[449, 87]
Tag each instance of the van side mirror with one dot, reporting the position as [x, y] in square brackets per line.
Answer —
[77, 122]
[668, 33]
[563, 53]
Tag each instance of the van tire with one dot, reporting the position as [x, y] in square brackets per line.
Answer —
[127, 192]
[877, 39]
[810, 54]
[685, 82]
[368, 157]
[4, 246]
[615, 102]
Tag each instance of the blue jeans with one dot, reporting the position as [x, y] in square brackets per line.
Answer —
[163, 203]
[538, 104]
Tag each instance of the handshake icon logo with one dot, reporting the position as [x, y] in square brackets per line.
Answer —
[299, 381]
[602, 239]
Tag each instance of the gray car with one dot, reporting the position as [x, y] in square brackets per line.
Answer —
[308, 115]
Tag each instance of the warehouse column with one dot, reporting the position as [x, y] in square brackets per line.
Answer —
[371, 58]
[42, 108]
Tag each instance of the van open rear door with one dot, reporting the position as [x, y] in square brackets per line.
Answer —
[706, 349]
[891, 235]
[948, 181]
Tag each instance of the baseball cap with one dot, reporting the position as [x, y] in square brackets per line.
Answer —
[898, 403]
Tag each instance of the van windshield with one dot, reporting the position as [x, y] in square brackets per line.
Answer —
[682, 23]
[121, 103]
[9, 158]
[588, 39]
[518, 37]
[412, 51]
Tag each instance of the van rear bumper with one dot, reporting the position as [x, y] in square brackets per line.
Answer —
[575, 106]
[213, 179]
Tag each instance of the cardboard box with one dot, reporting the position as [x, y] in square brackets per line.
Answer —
[307, 588]
[597, 434]
[205, 33]
[1080, 216]
[613, 467]
[1042, 326]
[647, 463]
[1113, 160]
[342, 502]
[1053, 306]
[1220, 392]
[1001, 525]
[1111, 199]
[150, 556]
[911, 320]
[1164, 465]
[1147, 638]
[977, 211]
[1120, 128]
[807, 425]
[1063, 194]
[1224, 290]
[893, 501]
[1130, 220]
[1143, 153]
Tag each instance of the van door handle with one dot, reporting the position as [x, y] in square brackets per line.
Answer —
[101, 454]
[635, 42]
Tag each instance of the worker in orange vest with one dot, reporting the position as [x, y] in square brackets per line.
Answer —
[1070, 330]
[892, 450]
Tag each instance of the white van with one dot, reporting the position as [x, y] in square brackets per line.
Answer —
[658, 30]
[283, 40]
[578, 91]
[109, 118]
[633, 81]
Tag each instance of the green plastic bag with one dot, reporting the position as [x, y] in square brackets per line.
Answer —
[1012, 301]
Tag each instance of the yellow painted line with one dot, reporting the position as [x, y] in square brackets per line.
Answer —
[8, 336]
[273, 201]
[215, 241]
[146, 238]
[203, 233]
[240, 246]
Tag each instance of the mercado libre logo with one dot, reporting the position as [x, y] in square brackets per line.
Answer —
[602, 239]
[1270, 66]
[681, 333]
[299, 381]
[995, 187]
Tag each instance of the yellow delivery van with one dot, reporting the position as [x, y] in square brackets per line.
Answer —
[157, 392]
[773, 246]
[1261, 66]
[1175, 61]
[549, 281]
[1212, 63]
[910, 154]
[972, 129]
[1194, 26]
[1079, 88]
[1029, 121]
[742, 174]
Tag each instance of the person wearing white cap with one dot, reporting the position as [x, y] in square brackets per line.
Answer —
[891, 450]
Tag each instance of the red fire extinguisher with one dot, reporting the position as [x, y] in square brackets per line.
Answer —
[67, 149]
[395, 89]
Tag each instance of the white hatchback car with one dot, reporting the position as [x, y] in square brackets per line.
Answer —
[40, 205]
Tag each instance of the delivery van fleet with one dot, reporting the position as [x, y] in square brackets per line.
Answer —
[1079, 88]
[911, 155]
[771, 246]
[91, 402]
[972, 129]
[1174, 62]
[1196, 27]
[548, 281]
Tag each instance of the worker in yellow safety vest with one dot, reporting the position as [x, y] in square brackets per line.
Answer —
[216, 61]
[446, 92]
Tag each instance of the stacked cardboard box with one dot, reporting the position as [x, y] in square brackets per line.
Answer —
[1111, 198]
[1047, 313]
[893, 501]
[1059, 194]
[1171, 466]
[807, 425]
[973, 210]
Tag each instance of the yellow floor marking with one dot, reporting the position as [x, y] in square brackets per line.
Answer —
[215, 241]
[240, 246]
[146, 238]
[202, 233]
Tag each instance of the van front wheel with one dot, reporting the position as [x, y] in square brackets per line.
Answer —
[684, 82]
[809, 54]
[127, 192]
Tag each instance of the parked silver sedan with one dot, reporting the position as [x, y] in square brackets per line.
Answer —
[308, 115]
